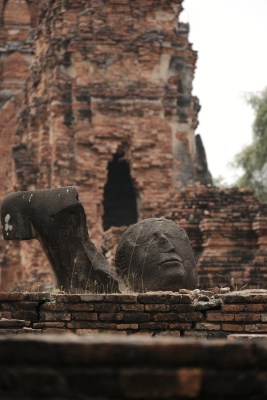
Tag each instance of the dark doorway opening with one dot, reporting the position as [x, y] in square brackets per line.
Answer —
[119, 194]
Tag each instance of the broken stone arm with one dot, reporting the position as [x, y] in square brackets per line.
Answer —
[57, 219]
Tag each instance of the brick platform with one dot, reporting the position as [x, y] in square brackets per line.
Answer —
[131, 368]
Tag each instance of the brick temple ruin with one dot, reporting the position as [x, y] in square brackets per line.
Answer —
[98, 94]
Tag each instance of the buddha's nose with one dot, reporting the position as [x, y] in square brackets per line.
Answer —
[165, 243]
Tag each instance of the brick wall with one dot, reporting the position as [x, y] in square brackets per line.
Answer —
[197, 313]
[227, 228]
[17, 22]
[131, 368]
[17, 19]
[228, 232]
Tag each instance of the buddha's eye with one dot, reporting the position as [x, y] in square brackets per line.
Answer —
[176, 235]
[154, 237]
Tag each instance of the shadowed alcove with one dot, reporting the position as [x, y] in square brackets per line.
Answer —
[119, 194]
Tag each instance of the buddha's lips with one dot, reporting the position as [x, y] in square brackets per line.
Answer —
[171, 260]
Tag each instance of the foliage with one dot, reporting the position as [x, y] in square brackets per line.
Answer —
[219, 181]
[253, 158]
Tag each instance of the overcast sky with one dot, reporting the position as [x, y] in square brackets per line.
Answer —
[231, 39]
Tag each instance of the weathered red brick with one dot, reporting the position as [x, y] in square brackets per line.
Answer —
[255, 328]
[68, 298]
[215, 316]
[156, 307]
[107, 307]
[91, 297]
[10, 296]
[182, 308]
[53, 307]
[55, 316]
[111, 316]
[154, 326]
[233, 328]
[136, 317]
[90, 325]
[25, 315]
[86, 331]
[11, 323]
[208, 326]
[233, 307]
[41, 325]
[190, 382]
[79, 307]
[248, 317]
[179, 317]
[117, 298]
[127, 326]
[133, 307]
[84, 316]
[181, 326]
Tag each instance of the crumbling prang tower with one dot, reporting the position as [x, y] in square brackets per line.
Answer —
[109, 107]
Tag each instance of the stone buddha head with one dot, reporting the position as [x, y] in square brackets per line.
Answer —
[156, 254]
